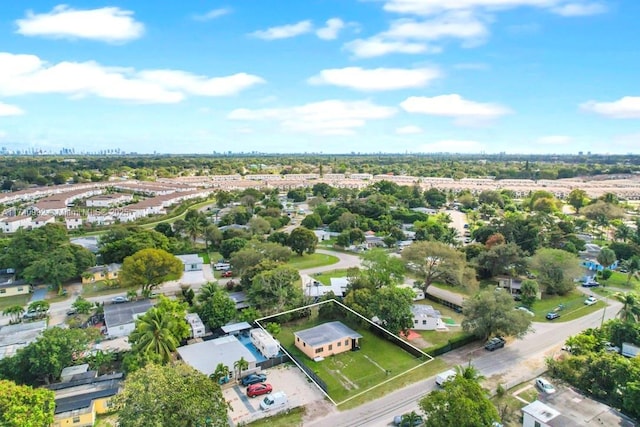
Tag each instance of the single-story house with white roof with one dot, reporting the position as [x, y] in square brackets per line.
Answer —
[205, 356]
[192, 262]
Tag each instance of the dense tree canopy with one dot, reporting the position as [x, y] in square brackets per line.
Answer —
[150, 267]
[24, 406]
[556, 270]
[461, 403]
[303, 240]
[170, 396]
[492, 312]
[435, 261]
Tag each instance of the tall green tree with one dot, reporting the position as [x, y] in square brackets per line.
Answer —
[150, 267]
[606, 257]
[633, 267]
[461, 403]
[392, 305]
[239, 366]
[491, 313]
[435, 261]
[303, 240]
[24, 406]
[170, 396]
[529, 291]
[274, 290]
[15, 312]
[380, 269]
[577, 198]
[217, 309]
[556, 269]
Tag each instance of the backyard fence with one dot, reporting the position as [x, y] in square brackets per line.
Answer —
[310, 373]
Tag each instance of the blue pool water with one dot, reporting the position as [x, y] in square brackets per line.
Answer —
[246, 341]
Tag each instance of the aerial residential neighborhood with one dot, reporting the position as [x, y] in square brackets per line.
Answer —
[317, 322]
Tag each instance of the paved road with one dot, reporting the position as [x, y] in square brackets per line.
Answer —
[345, 261]
[518, 362]
[458, 220]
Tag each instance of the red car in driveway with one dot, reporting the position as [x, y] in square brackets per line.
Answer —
[227, 273]
[257, 389]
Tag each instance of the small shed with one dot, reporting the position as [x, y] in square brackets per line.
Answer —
[192, 262]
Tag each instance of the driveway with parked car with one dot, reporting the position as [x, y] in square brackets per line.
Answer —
[286, 378]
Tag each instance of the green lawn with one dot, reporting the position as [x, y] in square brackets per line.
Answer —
[574, 306]
[293, 418]
[101, 288]
[310, 261]
[619, 280]
[325, 278]
[350, 373]
[6, 302]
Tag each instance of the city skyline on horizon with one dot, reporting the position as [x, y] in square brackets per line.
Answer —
[325, 77]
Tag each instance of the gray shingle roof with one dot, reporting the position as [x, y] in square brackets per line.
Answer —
[326, 333]
[121, 314]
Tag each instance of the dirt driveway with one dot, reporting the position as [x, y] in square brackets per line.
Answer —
[286, 378]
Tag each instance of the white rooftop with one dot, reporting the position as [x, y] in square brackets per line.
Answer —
[205, 356]
[540, 411]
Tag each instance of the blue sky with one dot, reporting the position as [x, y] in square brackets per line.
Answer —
[331, 76]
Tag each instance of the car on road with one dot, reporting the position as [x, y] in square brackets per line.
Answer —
[494, 343]
[590, 301]
[525, 310]
[257, 389]
[254, 379]
[72, 311]
[545, 386]
[408, 420]
[227, 273]
[552, 315]
[119, 300]
[592, 284]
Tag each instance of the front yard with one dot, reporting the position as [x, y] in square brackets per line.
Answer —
[353, 372]
[311, 261]
[6, 302]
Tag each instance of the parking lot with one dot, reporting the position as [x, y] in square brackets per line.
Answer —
[286, 378]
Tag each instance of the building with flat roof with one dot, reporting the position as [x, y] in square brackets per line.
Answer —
[192, 262]
[15, 337]
[120, 319]
[205, 356]
[326, 339]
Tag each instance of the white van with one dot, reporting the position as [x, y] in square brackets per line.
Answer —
[221, 266]
[445, 376]
[273, 401]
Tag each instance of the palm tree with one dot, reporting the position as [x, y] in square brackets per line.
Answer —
[15, 311]
[630, 311]
[207, 291]
[194, 227]
[470, 372]
[623, 232]
[239, 366]
[633, 267]
[153, 333]
[220, 374]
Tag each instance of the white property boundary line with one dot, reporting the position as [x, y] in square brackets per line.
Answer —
[363, 318]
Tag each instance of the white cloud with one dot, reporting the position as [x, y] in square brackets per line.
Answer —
[28, 74]
[331, 29]
[554, 140]
[464, 112]
[409, 130]
[109, 24]
[376, 79]
[579, 9]
[284, 31]
[10, 110]
[452, 146]
[212, 14]
[376, 46]
[627, 107]
[201, 85]
[461, 25]
[331, 117]
[430, 7]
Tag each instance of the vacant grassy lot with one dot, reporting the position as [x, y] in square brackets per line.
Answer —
[353, 372]
[619, 280]
[325, 278]
[574, 306]
[6, 302]
[310, 261]
[102, 288]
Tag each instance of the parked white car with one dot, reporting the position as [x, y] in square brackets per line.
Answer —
[526, 310]
[590, 301]
[545, 386]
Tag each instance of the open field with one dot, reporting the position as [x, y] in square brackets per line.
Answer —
[325, 278]
[311, 261]
[6, 302]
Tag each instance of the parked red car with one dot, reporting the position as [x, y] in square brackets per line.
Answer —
[227, 273]
[257, 389]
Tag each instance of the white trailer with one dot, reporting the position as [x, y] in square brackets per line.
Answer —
[443, 377]
[267, 345]
[630, 350]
